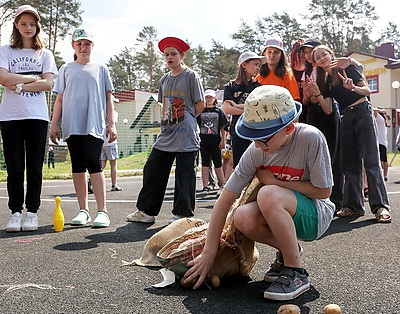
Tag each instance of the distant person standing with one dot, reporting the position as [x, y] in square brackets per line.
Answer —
[276, 70]
[381, 131]
[85, 105]
[182, 98]
[110, 152]
[27, 69]
[358, 140]
[212, 135]
[50, 157]
[235, 94]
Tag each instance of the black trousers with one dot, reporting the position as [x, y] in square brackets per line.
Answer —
[155, 179]
[24, 142]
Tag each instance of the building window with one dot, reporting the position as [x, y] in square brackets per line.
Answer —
[373, 83]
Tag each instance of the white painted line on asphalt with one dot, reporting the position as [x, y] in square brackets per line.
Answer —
[94, 201]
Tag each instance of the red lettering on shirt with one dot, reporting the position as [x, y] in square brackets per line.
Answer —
[285, 173]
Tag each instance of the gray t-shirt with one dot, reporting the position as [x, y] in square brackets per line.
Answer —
[179, 128]
[305, 158]
[84, 90]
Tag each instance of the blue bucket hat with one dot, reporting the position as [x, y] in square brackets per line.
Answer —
[267, 110]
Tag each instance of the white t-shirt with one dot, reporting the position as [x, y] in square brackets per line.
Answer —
[305, 158]
[381, 130]
[26, 105]
[84, 90]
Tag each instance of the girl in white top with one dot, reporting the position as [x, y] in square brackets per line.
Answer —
[27, 70]
[84, 102]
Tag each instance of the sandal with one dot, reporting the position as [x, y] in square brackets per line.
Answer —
[347, 212]
[382, 215]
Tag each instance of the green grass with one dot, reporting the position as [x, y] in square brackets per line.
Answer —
[127, 166]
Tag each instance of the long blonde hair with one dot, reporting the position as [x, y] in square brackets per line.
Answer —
[16, 38]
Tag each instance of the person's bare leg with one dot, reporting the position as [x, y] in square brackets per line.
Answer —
[113, 166]
[271, 222]
[220, 176]
[204, 176]
[81, 189]
[99, 189]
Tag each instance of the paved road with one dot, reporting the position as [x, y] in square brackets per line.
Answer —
[356, 264]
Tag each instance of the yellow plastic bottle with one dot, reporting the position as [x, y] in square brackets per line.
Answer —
[58, 217]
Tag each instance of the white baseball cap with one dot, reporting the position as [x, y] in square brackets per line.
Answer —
[274, 42]
[248, 55]
[210, 92]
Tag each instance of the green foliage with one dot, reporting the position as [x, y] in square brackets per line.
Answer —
[342, 24]
[58, 18]
[391, 34]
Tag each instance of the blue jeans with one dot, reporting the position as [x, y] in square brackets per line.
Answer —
[24, 142]
[155, 179]
[359, 147]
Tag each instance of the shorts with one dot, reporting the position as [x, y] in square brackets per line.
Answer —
[306, 218]
[109, 152]
[382, 153]
[84, 151]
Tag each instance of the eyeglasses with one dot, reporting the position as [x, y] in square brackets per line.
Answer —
[265, 140]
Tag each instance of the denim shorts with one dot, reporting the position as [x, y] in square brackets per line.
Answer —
[306, 218]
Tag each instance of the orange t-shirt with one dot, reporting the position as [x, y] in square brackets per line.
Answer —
[288, 81]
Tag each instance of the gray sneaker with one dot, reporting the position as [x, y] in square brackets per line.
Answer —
[277, 266]
[288, 286]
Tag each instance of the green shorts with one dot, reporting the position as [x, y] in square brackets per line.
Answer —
[306, 218]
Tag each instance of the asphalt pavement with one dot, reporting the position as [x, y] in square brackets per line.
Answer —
[78, 270]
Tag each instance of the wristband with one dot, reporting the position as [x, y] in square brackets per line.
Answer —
[318, 95]
[353, 89]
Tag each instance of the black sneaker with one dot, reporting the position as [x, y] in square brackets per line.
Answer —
[288, 286]
[277, 266]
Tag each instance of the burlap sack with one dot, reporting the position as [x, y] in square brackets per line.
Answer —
[236, 254]
[161, 238]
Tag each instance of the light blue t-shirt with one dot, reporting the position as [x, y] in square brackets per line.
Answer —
[84, 88]
[179, 129]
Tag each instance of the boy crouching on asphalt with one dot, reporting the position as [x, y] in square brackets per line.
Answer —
[292, 162]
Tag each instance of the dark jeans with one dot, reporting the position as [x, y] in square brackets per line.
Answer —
[24, 141]
[329, 125]
[155, 179]
[359, 146]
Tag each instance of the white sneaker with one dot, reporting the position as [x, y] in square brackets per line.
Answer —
[14, 224]
[139, 216]
[31, 222]
[101, 221]
[82, 218]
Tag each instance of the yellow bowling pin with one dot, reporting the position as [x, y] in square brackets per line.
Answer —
[58, 217]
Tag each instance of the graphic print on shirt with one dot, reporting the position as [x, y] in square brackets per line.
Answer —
[285, 173]
[209, 123]
[27, 66]
[176, 110]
